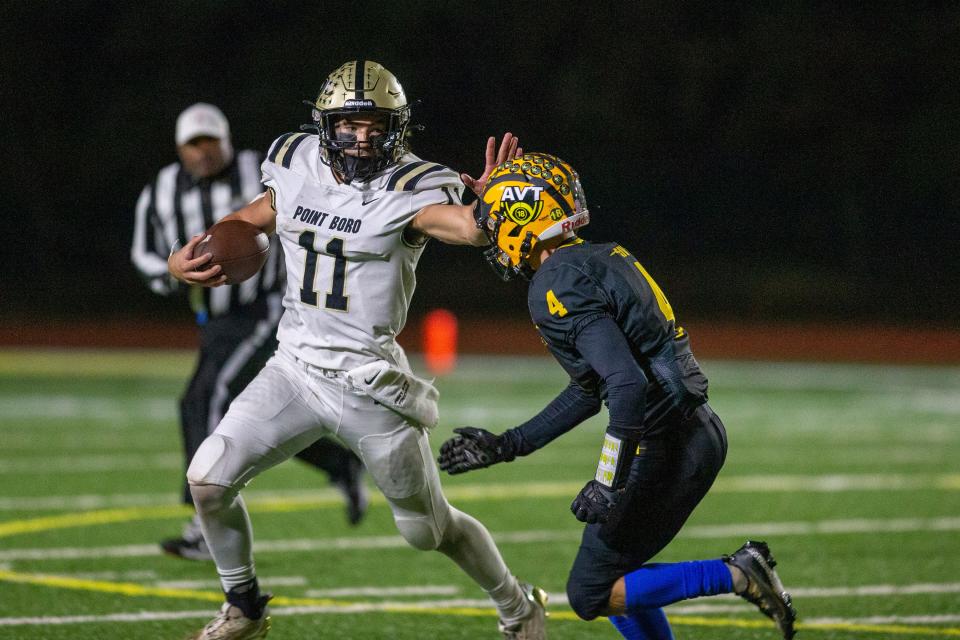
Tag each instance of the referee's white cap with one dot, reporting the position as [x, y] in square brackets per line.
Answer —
[202, 119]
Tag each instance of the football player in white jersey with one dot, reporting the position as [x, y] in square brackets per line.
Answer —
[353, 210]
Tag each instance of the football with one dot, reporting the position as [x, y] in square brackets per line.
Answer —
[237, 246]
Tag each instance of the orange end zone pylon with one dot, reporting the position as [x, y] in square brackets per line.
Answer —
[440, 341]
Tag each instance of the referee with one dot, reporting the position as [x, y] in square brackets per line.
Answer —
[238, 323]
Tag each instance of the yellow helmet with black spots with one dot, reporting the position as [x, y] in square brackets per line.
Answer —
[528, 204]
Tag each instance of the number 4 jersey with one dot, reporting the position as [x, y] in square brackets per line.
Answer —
[584, 281]
[350, 258]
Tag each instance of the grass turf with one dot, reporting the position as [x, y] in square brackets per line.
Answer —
[847, 471]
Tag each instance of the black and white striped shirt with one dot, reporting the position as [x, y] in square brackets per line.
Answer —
[175, 207]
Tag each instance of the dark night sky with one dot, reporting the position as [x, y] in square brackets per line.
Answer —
[787, 164]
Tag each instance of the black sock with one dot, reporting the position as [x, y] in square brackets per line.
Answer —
[248, 599]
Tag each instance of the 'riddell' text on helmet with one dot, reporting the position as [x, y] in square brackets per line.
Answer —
[529, 204]
[360, 88]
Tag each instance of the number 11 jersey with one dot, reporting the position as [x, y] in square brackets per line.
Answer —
[350, 258]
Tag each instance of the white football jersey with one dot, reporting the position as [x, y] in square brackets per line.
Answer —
[350, 268]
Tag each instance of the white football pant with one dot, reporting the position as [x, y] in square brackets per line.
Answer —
[289, 405]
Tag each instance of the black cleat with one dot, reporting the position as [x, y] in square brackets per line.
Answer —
[195, 549]
[764, 588]
[354, 491]
[190, 545]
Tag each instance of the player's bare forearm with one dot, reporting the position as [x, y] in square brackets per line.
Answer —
[260, 212]
[449, 223]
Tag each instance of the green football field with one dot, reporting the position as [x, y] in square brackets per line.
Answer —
[851, 473]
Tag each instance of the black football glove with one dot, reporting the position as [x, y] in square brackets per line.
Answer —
[595, 503]
[473, 449]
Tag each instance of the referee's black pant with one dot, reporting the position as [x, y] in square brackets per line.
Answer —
[233, 349]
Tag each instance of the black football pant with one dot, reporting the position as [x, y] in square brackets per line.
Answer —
[233, 349]
[681, 467]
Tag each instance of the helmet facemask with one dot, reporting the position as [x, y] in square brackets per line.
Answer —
[529, 204]
[360, 88]
[384, 150]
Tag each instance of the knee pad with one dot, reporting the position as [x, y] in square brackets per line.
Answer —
[586, 601]
[220, 460]
[210, 455]
[396, 462]
[210, 498]
[420, 533]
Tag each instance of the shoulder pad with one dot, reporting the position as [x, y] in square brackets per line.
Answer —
[283, 148]
[407, 177]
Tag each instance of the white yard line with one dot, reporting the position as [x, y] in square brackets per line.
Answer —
[76, 553]
[369, 607]
[106, 501]
[929, 619]
[90, 463]
[871, 379]
[877, 590]
[374, 592]
[123, 576]
[49, 409]
[827, 483]
[139, 616]
[835, 483]
[536, 536]
[273, 581]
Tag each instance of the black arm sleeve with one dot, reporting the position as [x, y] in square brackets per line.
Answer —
[574, 405]
[603, 345]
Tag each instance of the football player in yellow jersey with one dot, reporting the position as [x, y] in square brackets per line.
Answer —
[613, 331]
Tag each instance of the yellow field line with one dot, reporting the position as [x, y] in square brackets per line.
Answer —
[137, 590]
[102, 586]
[112, 516]
[280, 505]
[89, 518]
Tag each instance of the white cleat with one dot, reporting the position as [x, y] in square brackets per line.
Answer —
[231, 624]
[534, 625]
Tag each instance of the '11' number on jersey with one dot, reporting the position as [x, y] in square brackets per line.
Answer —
[308, 295]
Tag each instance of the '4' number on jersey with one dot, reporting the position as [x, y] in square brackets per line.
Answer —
[554, 306]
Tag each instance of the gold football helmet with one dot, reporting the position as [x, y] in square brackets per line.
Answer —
[360, 87]
[528, 204]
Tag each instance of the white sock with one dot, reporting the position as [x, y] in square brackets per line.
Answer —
[231, 578]
[512, 605]
[228, 534]
[468, 543]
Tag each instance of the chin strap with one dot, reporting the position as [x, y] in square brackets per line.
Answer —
[354, 166]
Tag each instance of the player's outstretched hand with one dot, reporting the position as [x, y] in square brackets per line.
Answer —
[471, 449]
[509, 149]
[595, 503]
[186, 268]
